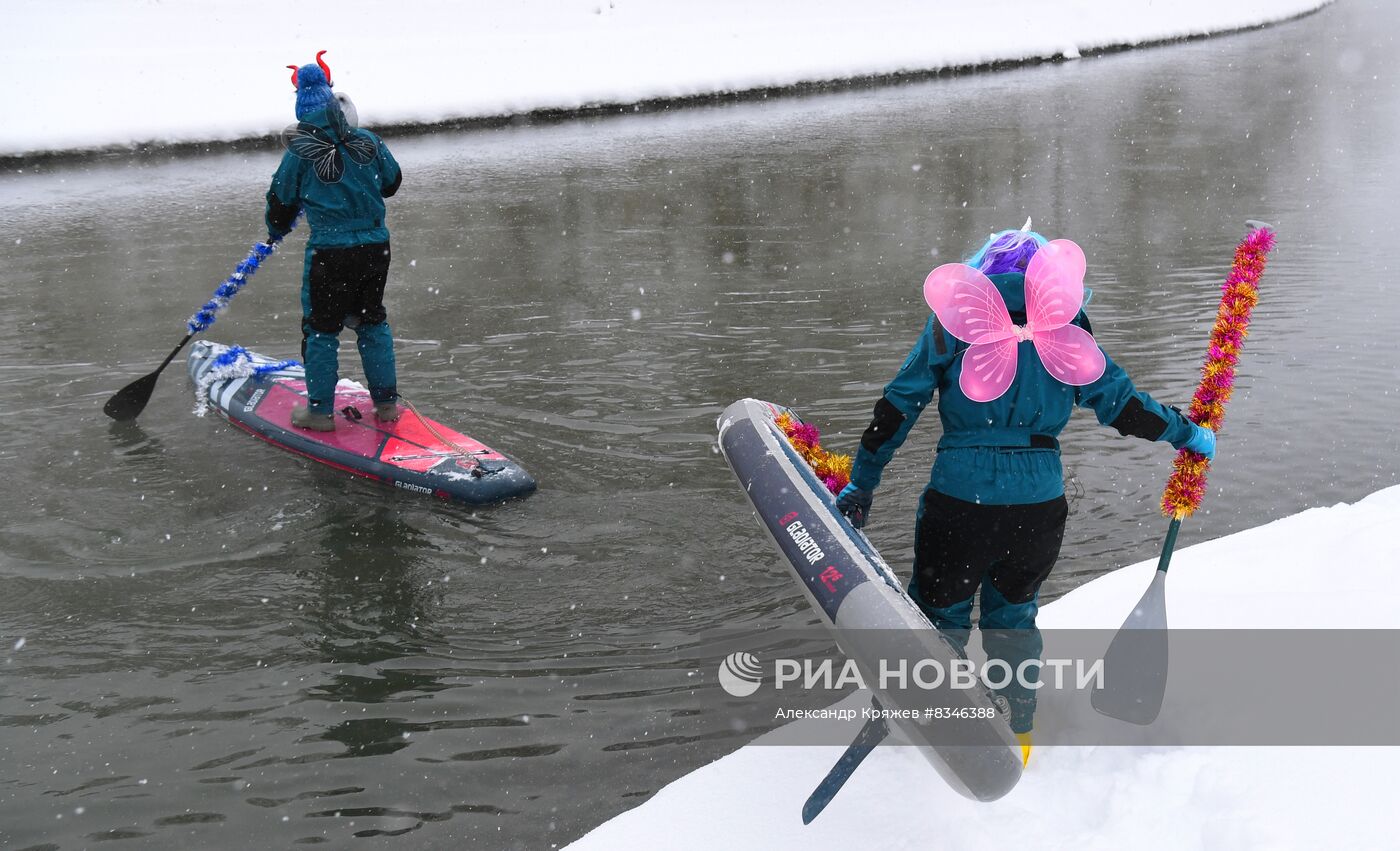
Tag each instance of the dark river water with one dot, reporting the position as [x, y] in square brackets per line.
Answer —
[207, 642]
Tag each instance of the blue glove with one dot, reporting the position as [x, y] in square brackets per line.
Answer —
[1202, 442]
[855, 504]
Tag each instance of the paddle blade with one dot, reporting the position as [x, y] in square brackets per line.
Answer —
[128, 402]
[1135, 666]
[131, 400]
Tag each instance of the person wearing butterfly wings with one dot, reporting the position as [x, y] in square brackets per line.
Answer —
[339, 175]
[1010, 353]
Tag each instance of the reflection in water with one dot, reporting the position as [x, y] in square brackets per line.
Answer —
[129, 439]
[312, 658]
[372, 605]
[369, 571]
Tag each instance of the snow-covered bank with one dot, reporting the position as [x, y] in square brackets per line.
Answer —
[1323, 568]
[88, 74]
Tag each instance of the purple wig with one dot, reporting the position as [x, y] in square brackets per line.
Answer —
[1008, 251]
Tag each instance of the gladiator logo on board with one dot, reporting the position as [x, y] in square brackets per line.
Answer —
[740, 674]
[806, 544]
[411, 487]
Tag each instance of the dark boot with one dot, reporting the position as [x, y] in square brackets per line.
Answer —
[304, 417]
[386, 412]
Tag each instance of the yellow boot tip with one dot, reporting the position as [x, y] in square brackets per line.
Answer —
[1025, 740]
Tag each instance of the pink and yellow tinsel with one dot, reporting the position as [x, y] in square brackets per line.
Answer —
[834, 470]
[1240, 293]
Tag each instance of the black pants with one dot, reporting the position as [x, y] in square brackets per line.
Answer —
[957, 544]
[346, 284]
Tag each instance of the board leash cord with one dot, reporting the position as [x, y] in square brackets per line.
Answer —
[467, 457]
[476, 467]
[423, 456]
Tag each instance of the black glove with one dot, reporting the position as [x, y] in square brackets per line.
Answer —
[854, 503]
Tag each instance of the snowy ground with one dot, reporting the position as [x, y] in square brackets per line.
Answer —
[1099, 797]
[87, 74]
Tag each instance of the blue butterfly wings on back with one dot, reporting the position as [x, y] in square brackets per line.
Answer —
[323, 148]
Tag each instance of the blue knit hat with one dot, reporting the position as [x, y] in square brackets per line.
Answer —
[313, 82]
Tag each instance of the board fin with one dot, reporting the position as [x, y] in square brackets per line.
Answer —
[870, 735]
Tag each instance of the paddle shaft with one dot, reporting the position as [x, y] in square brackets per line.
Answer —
[1168, 545]
[173, 352]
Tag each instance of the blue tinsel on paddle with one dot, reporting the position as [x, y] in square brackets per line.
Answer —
[207, 314]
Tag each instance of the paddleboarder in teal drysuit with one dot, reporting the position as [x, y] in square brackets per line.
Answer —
[992, 516]
[339, 175]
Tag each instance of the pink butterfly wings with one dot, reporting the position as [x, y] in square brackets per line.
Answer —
[1054, 296]
[970, 308]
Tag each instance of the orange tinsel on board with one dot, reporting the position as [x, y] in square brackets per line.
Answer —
[834, 470]
[1240, 293]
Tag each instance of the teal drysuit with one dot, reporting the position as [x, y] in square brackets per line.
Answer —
[1003, 457]
[340, 176]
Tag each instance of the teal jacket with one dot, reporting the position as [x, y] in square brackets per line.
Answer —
[344, 211]
[1002, 452]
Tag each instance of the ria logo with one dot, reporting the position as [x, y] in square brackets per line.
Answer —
[740, 674]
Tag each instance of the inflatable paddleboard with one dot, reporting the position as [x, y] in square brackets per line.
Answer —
[413, 453]
[872, 618]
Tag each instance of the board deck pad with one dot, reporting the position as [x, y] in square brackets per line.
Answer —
[413, 453]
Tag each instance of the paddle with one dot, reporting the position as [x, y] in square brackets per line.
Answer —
[1135, 666]
[128, 403]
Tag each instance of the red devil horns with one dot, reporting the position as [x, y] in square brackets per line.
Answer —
[319, 61]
